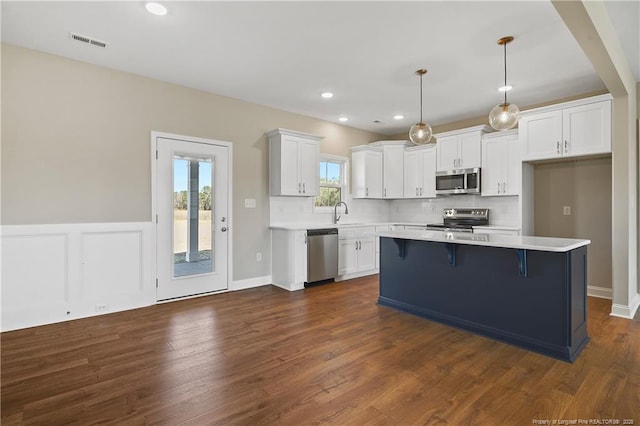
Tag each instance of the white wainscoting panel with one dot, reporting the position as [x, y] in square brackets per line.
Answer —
[53, 273]
[40, 264]
[119, 272]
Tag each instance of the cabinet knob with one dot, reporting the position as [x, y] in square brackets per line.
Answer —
[223, 229]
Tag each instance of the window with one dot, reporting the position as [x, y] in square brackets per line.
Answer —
[332, 181]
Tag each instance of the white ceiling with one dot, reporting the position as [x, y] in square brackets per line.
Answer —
[284, 54]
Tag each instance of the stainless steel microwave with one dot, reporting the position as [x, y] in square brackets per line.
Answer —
[460, 181]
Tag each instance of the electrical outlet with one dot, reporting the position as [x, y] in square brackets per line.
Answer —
[258, 257]
[566, 210]
[101, 307]
[250, 203]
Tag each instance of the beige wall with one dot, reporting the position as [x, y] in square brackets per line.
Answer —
[76, 146]
[585, 186]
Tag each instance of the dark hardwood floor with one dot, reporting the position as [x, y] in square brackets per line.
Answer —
[328, 354]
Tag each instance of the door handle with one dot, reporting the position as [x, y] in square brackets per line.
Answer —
[304, 188]
[366, 192]
[416, 192]
[558, 147]
[498, 187]
[504, 188]
[385, 192]
[223, 229]
[566, 146]
[299, 187]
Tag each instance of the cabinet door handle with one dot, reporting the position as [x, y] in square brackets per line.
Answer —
[558, 147]
[366, 192]
[566, 146]
[420, 190]
[498, 187]
[416, 192]
[385, 192]
[504, 188]
[359, 245]
[299, 187]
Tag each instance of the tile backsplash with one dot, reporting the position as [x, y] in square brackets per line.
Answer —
[287, 210]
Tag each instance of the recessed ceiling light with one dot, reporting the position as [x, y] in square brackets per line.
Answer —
[327, 95]
[505, 88]
[343, 119]
[398, 117]
[156, 8]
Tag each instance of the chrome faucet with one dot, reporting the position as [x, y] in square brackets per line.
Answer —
[336, 218]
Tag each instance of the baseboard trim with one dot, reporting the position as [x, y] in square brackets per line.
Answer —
[250, 283]
[296, 287]
[600, 292]
[357, 275]
[626, 311]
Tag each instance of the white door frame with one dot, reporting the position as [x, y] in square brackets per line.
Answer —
[154, 208]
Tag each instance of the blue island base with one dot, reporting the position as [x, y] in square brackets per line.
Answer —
[532, 299]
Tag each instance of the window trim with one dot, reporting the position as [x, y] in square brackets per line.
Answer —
[344, 182]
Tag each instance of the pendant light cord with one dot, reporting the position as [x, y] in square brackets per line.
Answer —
[421, 98]
[505, 73]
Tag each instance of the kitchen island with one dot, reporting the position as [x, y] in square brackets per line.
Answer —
[526, 291]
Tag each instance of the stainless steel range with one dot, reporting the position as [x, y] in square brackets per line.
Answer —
[461, 220]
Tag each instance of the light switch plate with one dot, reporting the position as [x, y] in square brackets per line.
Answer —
[566, 210]
[250, 203]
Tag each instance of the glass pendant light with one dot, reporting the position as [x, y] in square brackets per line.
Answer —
[504, 116]
[420, 133]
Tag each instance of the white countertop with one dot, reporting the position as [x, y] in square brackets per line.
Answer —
[305, 226]
[490, 240]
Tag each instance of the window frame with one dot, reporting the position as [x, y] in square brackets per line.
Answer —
[344, 183]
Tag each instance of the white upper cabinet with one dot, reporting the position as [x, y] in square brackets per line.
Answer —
[293, 163]
[501, 164]
[377, 170]
[366, 172]
[460, 149]
[420, 172]
[393, 170]
[567, 130]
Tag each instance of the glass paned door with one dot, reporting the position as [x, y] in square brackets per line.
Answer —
[192, 215]
[192, 187]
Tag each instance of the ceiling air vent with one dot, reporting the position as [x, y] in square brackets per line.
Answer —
[87, 40]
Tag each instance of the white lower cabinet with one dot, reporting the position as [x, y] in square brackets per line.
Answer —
[356, 252]
[379, 228]
[289, 258]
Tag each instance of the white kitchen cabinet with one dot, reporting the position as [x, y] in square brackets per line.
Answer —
[366, 172]
[293, 163]
[379, 228]
[392, 171]
[501, 164]
[460, 149]
[571, 129]
[420, 172]
[289, 258]
[356, 252]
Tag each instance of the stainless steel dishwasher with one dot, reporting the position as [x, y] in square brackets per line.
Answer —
[322, 254]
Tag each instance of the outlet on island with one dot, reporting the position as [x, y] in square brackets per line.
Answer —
[258, 257]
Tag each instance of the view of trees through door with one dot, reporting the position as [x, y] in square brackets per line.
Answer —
[192, 207]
